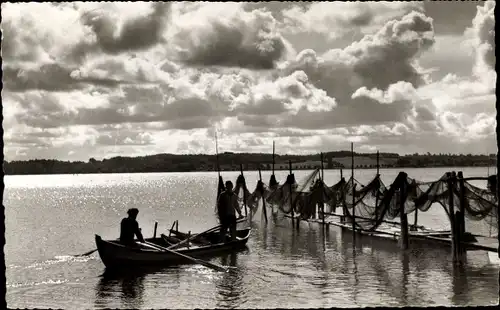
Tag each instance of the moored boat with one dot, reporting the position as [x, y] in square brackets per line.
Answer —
[115, 255]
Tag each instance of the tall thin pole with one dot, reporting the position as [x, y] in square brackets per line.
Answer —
[322, 168]
[262, 193]
[353, 201]
[273, 157]
[378, 182]
[217, 154]
[290, 187]
[220, 185]
[322, 192]
[378, 166]
[244, 193]
[450, 183]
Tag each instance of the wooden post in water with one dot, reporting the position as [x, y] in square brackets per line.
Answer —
[322, 192]
[322, 168]
[273, 158]
[290, 187]
[404, 241]
[342, 200]
[263, 198]
[154, 232]
[353, 189]
[244, 193]
[450, 183]
[461, 218]
[378, 184]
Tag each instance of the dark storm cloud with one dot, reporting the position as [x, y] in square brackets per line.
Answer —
[135, 34]
[250, 42]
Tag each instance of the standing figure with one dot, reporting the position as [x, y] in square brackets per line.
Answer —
[227, 203]
[129, 228]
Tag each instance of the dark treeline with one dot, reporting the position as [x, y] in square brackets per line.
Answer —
[232, 161]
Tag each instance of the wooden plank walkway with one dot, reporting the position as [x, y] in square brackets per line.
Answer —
[483, 243]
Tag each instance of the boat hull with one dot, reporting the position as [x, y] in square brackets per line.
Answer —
[116, 256]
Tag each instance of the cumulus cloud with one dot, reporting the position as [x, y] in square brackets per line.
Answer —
[140, 78]
[289, 93]
[114, 34]
[226, 35]
[365, 62]
[51, 77]
[342, 72]
[128, 138]
[399, 91]
[339, 19]
[39, 32]
[483, 32]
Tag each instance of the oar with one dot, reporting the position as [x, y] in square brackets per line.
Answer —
[86, 254]
[202, 233]
[196, 260]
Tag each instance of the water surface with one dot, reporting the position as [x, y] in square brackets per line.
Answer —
[51, 217]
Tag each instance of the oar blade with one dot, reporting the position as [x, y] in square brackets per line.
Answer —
[86, 254]
[213, 266]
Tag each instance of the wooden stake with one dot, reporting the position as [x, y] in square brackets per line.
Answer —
[461, 218]
[353, 213]
[244, 193]
[156, 226]
[404, 218]
[450, 183]
[322, 168]
[290, 188]
[217, 155]
[263, 198]
[376, 196]
[378, 163]
[273, 157]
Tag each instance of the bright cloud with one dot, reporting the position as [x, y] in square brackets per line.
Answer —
[97, 79]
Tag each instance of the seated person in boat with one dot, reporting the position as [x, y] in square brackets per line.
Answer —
[227, 203]
[130, 227]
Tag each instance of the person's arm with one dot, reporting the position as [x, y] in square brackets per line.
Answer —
[138, 232]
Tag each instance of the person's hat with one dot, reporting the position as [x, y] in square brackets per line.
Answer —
[133, 211]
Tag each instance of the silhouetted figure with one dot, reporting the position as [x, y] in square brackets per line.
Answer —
[130, 227]
[227, 203]
[492, 184]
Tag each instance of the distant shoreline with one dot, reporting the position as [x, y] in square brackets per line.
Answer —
[227, 162]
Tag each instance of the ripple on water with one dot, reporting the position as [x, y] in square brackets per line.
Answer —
[281, 269]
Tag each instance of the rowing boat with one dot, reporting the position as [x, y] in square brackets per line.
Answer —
[116, 255]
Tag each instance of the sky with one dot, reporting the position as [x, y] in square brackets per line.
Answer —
[97, 80]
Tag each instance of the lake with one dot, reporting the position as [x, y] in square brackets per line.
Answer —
[49, 218]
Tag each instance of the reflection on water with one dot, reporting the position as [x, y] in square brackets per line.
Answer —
[128, 287]
[283, 267]
[230, 286]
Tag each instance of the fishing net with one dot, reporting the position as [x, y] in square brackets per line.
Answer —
[293, 194]
[371, 204]
[334, 196]
[374, 203]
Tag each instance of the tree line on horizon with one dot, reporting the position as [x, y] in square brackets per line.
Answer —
[232, 161]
